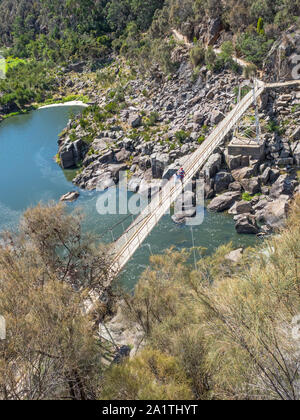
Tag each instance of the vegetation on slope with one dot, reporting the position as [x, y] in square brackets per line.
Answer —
[229, 326]
[222, 331]
[57, 33]
[47, 271]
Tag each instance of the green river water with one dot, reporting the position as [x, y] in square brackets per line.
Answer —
[29, 175]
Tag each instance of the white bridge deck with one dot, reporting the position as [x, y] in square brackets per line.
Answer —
[124, 248]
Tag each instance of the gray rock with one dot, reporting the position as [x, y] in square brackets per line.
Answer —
[135, 120]
[283, 186]
[246, 224]
[72, 153]
[107, 157]
[243, 173]
[158, 164]
[134, 184]
[243, 207]
[233, 162]
[115, 170]
[222, 181]
[265, 177]
[216, 117]
[144, 163]
[235, 186]
[274, 213]
[212, 166]
[71, 196]
[274, 175]
[252, 185]
[122, 156]
[296, 134]
[235, 256]
[181, 217]
[224, 202]
[199, 118]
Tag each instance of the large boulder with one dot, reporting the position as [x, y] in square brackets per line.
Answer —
[246, 224]
[265, 177]
[216, 117]
[243, 207]
[296, 134]
[212, 166]
[252, 185]
[274, 213]
[122, 156]
[222, 181]
[243, 173]
[281, 62]
[235, 256]
[182, 217]
[71, 153]
[70, 197]
[285, 185]
[135, 120]
[108, 157]
[159, 162]
[224, 202]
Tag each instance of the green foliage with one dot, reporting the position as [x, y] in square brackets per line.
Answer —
[152, 119]
[210, 58]
[181, 136]
[151, 375]
[248, 197]
[260, 27]
[25, 82]
[112, 107]
[222, 321]
[197, 55]
[254, 47]
[273, 127]
[250, 71]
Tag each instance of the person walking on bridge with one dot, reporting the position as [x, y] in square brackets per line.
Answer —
[181, 174]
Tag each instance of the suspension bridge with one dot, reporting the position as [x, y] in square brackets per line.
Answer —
[124, 248]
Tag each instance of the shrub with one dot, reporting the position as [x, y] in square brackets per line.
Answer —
[181, 136]
[210, 58]
[260, 26]
[197, 55]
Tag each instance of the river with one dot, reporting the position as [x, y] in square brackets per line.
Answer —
[29, 175]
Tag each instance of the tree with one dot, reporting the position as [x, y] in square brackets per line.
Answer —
[47, 271]
[151, 375]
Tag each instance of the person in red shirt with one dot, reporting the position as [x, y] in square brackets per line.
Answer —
[181, 174]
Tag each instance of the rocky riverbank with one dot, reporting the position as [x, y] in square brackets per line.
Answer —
[149, 127]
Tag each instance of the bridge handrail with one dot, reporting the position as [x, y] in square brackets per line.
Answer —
[148, 218]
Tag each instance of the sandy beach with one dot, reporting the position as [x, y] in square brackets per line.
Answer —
[71, 103]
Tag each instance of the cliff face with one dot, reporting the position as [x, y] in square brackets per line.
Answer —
[283, 61]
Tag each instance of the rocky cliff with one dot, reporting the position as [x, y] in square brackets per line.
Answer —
[163, 119]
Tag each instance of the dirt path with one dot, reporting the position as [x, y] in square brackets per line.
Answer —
[181, 38]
